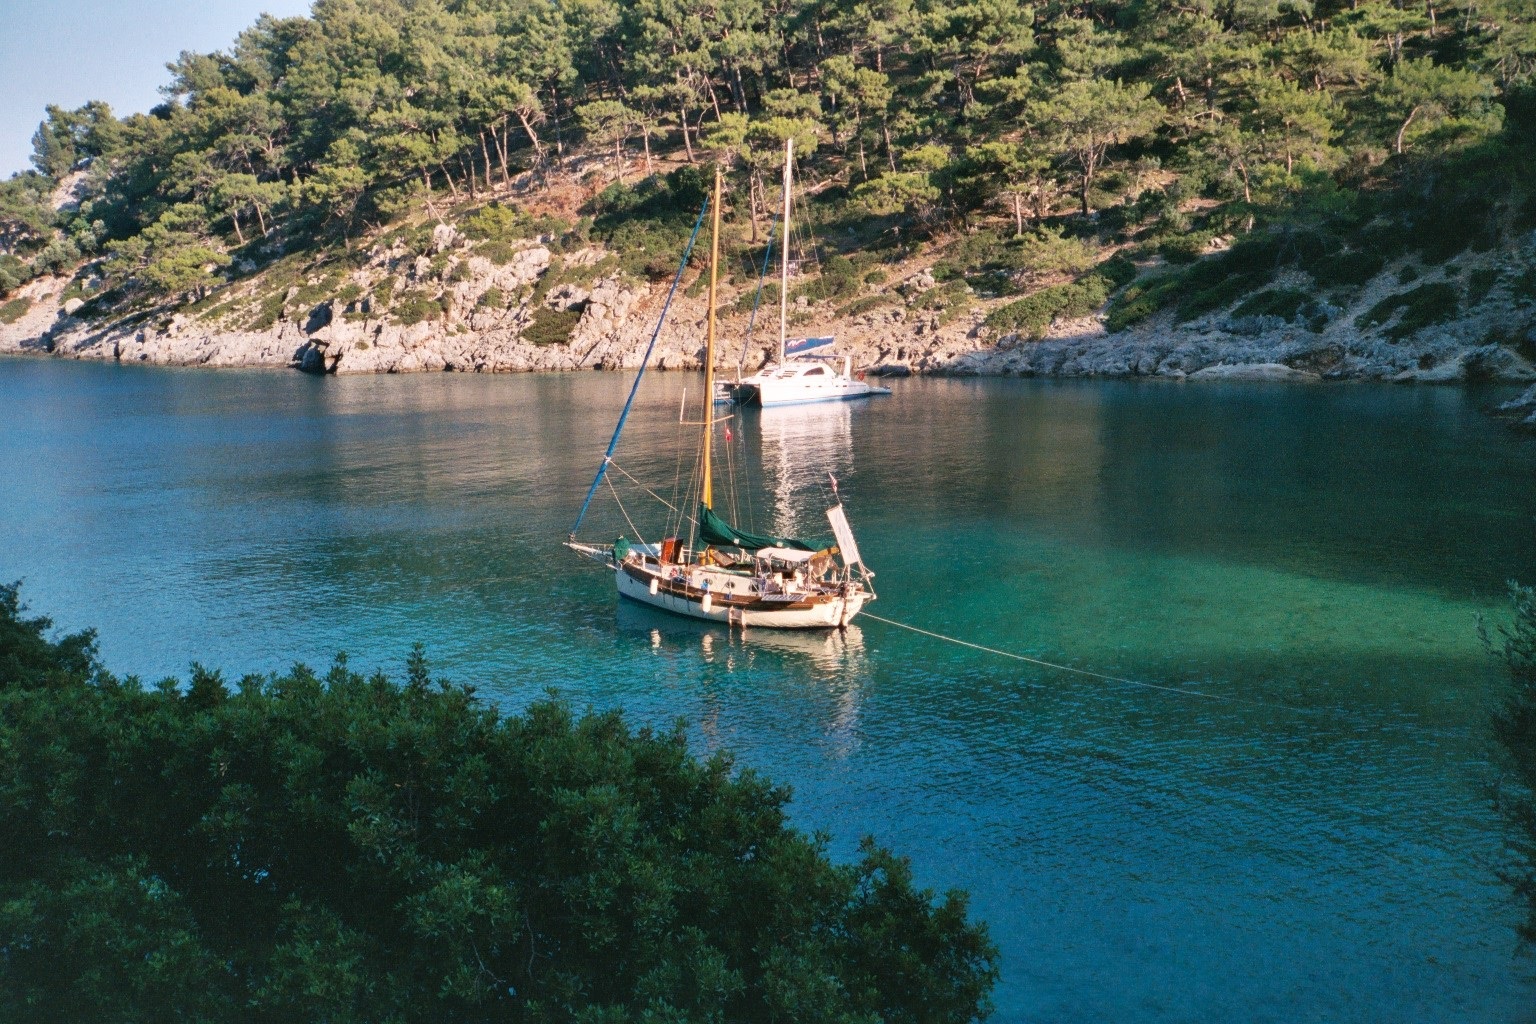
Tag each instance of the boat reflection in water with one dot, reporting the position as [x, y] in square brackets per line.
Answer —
[821, 668]
[800, 446]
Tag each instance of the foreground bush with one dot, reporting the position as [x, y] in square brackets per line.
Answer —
[300, 848]
[1515, 727]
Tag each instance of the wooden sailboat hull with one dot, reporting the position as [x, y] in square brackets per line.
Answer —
[807, 611]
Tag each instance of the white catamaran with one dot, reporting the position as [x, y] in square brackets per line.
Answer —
[798, 378]
[722, 573]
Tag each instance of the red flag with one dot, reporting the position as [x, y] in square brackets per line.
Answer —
[728, 433]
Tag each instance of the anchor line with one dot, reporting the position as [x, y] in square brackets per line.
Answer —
[1181, 690]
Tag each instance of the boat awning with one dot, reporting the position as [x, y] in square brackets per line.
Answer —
[714, 530]
[794, 555]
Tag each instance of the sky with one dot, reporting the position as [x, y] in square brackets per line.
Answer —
[69, 52]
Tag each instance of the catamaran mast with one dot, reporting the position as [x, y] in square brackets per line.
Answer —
[707, 491]
[789, 156]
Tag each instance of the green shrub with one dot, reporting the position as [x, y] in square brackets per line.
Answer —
[1424, 306]
[349, 293]
[943, 296]
[497, 251]
[1479, 283]
[416, 306]
[553, 275]
[1045, 250]
[746, 299]
[14, 272]
[269, 310]
[648, 224]
[551, 326]
[506, 224]
[1284, 303]
[1407, 274]
[1346, 269]
[1034, 314]
[1194, 304]
[876, 276]
[492, 298]
[341, 847]
[867, 303]
[1118, 270]
[15, 309]
[1185, 248]
[384, 293]
[1142, 299]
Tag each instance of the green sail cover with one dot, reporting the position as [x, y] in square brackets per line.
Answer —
[714, 530]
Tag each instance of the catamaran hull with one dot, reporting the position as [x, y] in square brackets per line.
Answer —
[817, 613]
[770, 397]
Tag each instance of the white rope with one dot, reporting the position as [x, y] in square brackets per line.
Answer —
[1183, 691]
[644, 488]
[620, 503]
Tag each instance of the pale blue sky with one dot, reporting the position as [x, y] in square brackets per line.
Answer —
[72, 51]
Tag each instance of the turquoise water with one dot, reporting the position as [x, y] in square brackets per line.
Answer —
[1318, 846]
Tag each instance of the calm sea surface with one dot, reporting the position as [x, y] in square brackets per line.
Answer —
[1319, 846]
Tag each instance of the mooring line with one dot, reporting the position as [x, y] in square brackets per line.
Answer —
[1183, 691]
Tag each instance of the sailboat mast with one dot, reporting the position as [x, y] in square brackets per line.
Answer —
[707, 494]
[789, 156]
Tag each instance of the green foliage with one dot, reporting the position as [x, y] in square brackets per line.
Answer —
[498, 223]
[417, 306]
[867, 303]
[1514, 725]
[1033, 314]
[1480, 282]
[768, 300]
[1046, 250]
[340, 847]
[1185, 248]
[268, 312]
[384, 292]
[648, 225]
[551, 326]
[15, 309]
[1421, 307]
[1159, 124]
[1284, 303]
[498, 252]
[1141, 300]
[1118, 270]
[492, 298]
[1349, 268]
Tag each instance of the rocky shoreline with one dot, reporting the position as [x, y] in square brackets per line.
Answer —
[613, 321]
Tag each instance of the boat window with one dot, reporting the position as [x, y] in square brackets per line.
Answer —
[815, 370]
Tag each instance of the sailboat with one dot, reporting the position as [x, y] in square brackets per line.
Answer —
[721, 573]
[799, 378]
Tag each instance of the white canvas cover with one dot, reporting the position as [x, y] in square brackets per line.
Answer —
[785, 554]
[844, 534]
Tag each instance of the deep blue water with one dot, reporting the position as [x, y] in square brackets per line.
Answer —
[1316, 845]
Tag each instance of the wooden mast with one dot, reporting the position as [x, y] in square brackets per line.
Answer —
[707, 492]
[789, 156]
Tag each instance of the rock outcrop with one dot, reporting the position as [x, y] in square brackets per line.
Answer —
[445, 306]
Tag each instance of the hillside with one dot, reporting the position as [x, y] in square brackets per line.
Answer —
[1341, 190]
